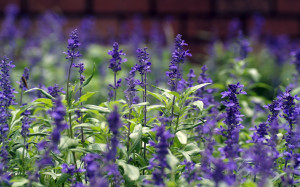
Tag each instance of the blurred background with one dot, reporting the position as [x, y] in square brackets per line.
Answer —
[251, 41]
[199, 21]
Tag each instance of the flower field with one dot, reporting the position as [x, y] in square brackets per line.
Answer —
[78, 112]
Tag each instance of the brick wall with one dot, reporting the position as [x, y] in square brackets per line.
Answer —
[191, 18]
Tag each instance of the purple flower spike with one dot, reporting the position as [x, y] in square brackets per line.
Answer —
[178, 57]
[57, 114]
[191, 75]
[159, 159]
[233, 118]
[143, 59]
[116, 60]
[73, 44]
[55, 90]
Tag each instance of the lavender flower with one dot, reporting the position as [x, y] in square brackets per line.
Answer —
[296, 60]
[244, 47]
[115, 65]
[130, 91]
[143, 58]
[190, 172]
[7, 93]
[115, 124]
[73, 44]
[218, 172]
[93, 171]
[25, 124]
[291, 112]
[190, 81]
[71, 170]
[6, 100]
[115, 62]
[55, 90]
[178, 57]
[58, 113]
[159, 160]
[80, 66]
[233, 118]
[262, 159]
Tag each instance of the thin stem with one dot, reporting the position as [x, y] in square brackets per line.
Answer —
[173, 103]
[129, 124]
[80, 114]
[23, 156]
[145, 112]
[21, 97]
[70, 118]
[115, 85]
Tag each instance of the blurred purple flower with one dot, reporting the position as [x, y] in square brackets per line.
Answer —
[159, 160]
[55, 90]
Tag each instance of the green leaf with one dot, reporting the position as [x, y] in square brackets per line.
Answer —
[88, 80]
[198, 104]
[41, 90]
[191, 90]
[155, 107]
[160, 97]
[86, 96]
[192, 149]
[46, 101]
[63, 178]
[172, 160]
[52, 174]
[98, 108]
[136, 136]
[67, 143]
[19, 181]
[130, 171]
[182, 137]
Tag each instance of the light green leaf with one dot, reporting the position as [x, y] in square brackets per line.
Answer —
[45, 101]
[191, 90]
[182, 137]
[192, 149]
[67, 143]
[86, 96]
[136, 136]
[130, 171]
[19, 181]
[41, 90]
[98, 108]
[172, 160]
[198, 104]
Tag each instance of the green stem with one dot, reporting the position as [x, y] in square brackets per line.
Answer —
[115, 86]
[21, 97]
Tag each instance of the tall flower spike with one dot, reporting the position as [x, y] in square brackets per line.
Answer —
[191, 75]
[115, 124]
[232, 121]
[115, 65]
[178, 57]
[58, 113]
[116, 60]
[143, 58]
[159, 160]
[73, 44]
